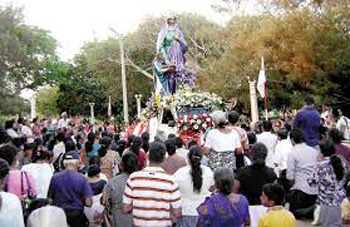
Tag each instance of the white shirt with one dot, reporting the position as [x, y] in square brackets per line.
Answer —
[191, 200]
[300, 167]
[270, 141]
[42, 174]
[63, 123]
[11, 211]
[344, 122]
[283, 148]
[26, 131]
[220, 142]
[12, 133]
[47, 216]
[182, 152]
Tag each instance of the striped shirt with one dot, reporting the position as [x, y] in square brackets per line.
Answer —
[152, 194]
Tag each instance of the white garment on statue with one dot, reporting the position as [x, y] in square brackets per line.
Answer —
[63, 123]
[47, 216]
[344, 122]
[42, 174]
[221, 142]
[270, 141]
[11, 211]
[283, 148]
[191, 200]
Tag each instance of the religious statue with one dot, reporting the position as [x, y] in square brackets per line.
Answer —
[169, 64]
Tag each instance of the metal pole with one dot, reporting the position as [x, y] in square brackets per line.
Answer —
[253, 101]
[125, 95]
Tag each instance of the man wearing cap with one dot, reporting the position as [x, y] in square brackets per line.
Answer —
[71, 191]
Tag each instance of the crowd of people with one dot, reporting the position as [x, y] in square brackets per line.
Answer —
[65, 173]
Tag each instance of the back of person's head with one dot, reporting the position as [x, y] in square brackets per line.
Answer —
[219, 118]
[224, 178]
[136, 145]
[170, 146]
[130, 163]
[267, 126]
[116, 137]
[9, 153]
[192, 143]
[252, 138]
[328, 150]
[121, 146]
[4, 169]
[274, 192]
[171, 136]
[233, 117]
[70, 146]
[91, 137]
[93, 170]
[4, 137]
[37, 204]
[282, 134]
[9, 124]
[145, 136]
[179, 143]
[61, 137]
[131, 139]
[195, 157]
[157, 152]
[336, 135]
[41, 155]
[259, 154]
[297, 135]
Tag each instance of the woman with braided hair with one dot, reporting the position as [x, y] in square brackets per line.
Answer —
[194, 181]
[10, 206]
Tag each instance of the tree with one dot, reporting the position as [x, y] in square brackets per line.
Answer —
[46, 101]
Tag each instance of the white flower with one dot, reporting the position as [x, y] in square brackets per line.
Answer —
[196, 127]
[204, 125]
[208, 119]
[195, 116]
[184, 128]
[199, 121]
[192, 121]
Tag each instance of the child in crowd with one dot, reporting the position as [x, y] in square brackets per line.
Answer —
[273, 197]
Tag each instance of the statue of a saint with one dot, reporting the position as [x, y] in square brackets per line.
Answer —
[172, 46]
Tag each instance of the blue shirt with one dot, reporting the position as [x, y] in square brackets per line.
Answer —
[308, 119]
[68, 189]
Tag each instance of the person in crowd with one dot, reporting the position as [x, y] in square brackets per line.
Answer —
[26, 131]
[173, 162]
[340, 149]
[258, 173]
[345, 207]
[273, 197]
[222, 143]
[94, 213]
[180, 149]
[91, 146]
[145, 144]
[109, 158]
[71, 191]
[283, 148]
[301, 162]
[121, 146]
[233, 117]
[131, 139]
[59, 148]
[159, 189]
[36, 128]
[308, 119]
[343, 124]
[113, 192]
[43, 214]
[270, 141]
[10, 128]
[96, 183]
[41, 171]
[192, 143]
[224, 208]
[258, 128]
[26, 153]
[195, 182]
[18, 182]
[63, 123]
[10, 207]
[328, 178]
[136, 148]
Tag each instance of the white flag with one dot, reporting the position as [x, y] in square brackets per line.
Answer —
[261, 86]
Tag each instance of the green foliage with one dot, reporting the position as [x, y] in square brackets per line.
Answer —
[46, 101]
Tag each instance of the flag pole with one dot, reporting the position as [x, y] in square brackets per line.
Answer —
[265, 90]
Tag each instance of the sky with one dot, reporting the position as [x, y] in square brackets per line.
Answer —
[73, 22]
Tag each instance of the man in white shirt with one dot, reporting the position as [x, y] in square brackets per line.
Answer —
[63, 122]
[283, 148]
[270, 141]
